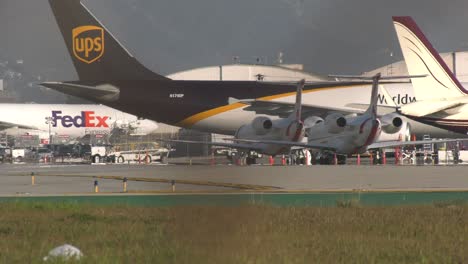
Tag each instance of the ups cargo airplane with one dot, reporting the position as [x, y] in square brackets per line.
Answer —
[442, 99]
[71, 120]
[110, 75]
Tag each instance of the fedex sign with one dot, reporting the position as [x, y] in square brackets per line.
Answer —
[86, 119]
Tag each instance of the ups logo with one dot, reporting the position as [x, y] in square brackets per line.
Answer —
[88, 43]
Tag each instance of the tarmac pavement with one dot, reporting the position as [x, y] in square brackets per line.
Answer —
[79, 179]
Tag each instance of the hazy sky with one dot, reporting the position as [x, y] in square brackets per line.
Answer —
[328, 36]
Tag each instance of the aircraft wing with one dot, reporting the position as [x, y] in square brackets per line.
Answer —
[392, 144]
[284, 109]
[221, 144]
[6, 125]
[288, 143]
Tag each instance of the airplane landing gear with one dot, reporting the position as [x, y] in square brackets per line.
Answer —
[328, 158]
[252, 157]
[243, 158]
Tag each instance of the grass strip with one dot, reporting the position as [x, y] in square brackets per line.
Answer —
[348, 233]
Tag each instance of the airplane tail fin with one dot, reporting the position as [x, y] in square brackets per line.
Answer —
[422, 59]
[298, 105]
[95, 53]
[372, 109]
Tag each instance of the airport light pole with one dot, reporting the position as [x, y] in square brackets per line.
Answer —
[50, 121]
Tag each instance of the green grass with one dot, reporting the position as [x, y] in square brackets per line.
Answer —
[349, 233]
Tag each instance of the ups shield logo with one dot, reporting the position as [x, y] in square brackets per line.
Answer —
[88, 43]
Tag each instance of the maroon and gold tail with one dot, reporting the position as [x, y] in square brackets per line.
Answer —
[422, 59]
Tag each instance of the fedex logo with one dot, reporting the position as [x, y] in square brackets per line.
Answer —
[86, 119]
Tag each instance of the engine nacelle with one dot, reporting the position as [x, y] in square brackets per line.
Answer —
[392, 123]
[404, 134]
[262, 125]
[312, 121]
[335, 123]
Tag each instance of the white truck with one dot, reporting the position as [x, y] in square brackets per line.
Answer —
[146, 152]
[18, 155]
[99, 154]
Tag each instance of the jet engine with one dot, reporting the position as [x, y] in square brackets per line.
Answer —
[392, 123]
[395, 127]
[335, 123]
[262, 125]
[312, 121]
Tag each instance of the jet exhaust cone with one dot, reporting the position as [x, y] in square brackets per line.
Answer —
[341, 122]
[397, 122]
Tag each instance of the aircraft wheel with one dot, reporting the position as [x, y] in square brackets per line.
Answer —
[341, 159]
[301, 161]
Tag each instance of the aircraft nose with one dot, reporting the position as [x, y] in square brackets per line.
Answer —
[153, 128]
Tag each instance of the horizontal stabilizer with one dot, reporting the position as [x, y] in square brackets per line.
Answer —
[427, 107]
[7, 125]
[232, 100]
[104, 92]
